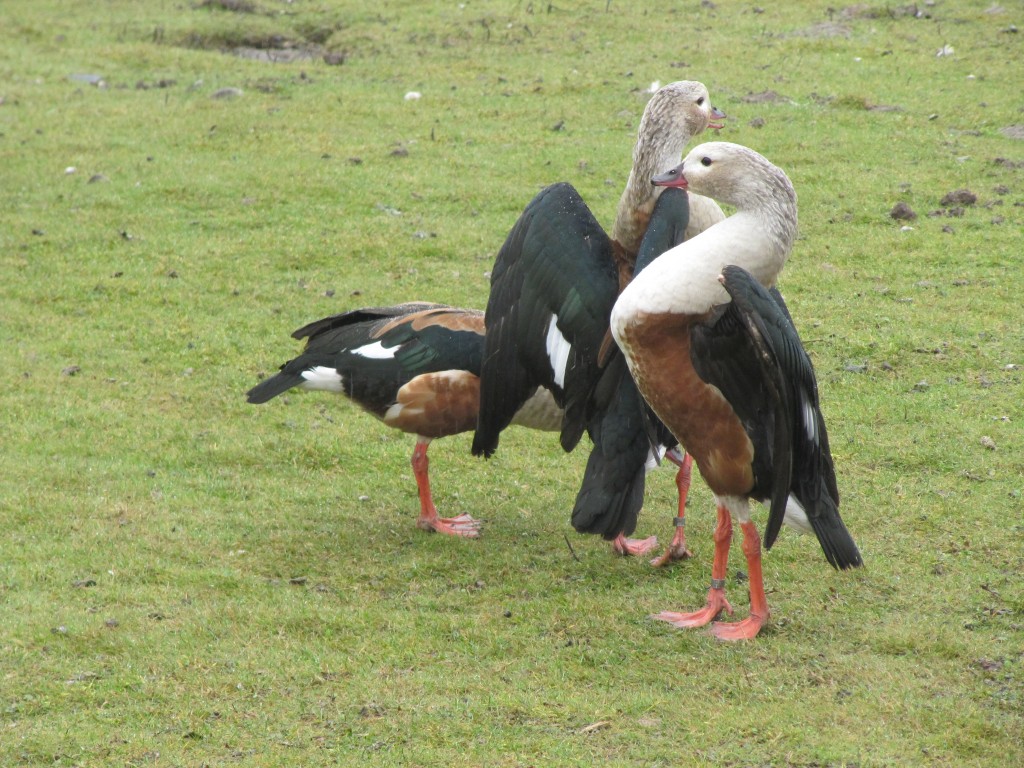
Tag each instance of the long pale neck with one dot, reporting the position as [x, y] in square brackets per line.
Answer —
[704, 212]
[739, 240]
[684, 280]
[639, 196]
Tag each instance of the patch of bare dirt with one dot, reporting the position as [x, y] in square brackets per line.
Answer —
[825, 29]
[864, 11]
[765, 97]
[235, 6]
[281, 46]
[902, 212]
[959, 197]
[277, 55]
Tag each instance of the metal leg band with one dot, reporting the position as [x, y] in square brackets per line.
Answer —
[680, 521]
[718, 583]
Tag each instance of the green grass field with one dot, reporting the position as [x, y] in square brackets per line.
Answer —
[189, 580]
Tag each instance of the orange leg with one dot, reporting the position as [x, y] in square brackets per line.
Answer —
[633, 547]
[716, 602]
[463, 525]
[750, 626]
[677, 549]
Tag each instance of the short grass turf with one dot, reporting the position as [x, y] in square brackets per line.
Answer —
[190, 580]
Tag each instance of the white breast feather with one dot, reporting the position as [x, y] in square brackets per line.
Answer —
[684, 279]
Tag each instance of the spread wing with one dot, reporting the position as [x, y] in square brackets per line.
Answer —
[552, 290]
[622, 427]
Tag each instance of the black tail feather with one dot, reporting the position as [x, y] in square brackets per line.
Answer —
[612, 491]
[272, 387]
[836, 542]
[607, 503]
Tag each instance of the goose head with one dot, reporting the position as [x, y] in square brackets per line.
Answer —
[676, 113]
[731, 174]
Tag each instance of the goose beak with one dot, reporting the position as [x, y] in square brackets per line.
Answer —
[717, 115]
[673, 178]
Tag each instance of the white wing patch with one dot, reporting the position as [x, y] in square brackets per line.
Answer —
[810, 419]
[376, 351]
[558, 351]
[322, 378]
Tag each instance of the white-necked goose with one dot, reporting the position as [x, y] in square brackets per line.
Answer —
[553, 285]
[718, 359]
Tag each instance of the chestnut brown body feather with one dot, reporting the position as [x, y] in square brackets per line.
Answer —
[436, 404]
[716, 437]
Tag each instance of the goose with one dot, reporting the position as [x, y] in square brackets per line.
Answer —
[415, 367]
[553, 286]
[716, 356]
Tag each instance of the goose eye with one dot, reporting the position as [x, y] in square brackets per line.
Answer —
[700, 101]
[705, 161]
